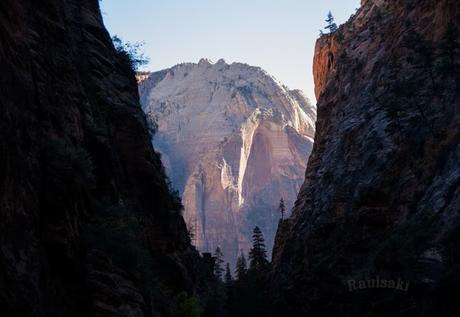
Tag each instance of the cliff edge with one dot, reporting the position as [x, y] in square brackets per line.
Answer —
[382, 189]
[89, 227]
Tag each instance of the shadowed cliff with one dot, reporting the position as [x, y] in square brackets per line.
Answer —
[88, 225]
[381, 197]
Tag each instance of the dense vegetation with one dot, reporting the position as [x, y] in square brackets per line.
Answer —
[243, 293]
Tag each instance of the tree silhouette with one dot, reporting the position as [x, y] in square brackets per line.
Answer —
[258, 254]
[228, 275]
[248, 293]
[241, 267]
[130, 53]
[331, 26]
[218, 269]
[282, 207]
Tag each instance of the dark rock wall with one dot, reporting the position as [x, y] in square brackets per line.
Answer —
[382, 191]
[88, 226]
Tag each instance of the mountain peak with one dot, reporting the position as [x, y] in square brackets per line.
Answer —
[216, 123]
[205, 61]
[232, 90]
[221, 61]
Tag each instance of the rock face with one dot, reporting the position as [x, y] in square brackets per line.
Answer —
[88, 225]
[234, 141]
[381, 198]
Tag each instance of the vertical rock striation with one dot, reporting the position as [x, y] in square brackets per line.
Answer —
[233, 141]
[381, 197]
[88, 226]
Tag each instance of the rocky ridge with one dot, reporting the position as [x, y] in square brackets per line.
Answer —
[382, 189]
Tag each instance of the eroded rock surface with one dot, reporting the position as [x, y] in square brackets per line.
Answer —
[382, 191]
[234, 141]
[88, 226]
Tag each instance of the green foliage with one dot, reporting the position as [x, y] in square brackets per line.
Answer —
[187, 306]
[116, 232]
[74, 161]
[130, 53]
[69, 171]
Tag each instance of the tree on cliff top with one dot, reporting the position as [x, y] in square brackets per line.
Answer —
[130, 53]
[258, 254]
[331, 26]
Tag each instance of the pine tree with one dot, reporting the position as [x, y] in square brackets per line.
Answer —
[241, 267]
[258, 254]
[228, 275]
[218, 270]
[331, 26]
[282, 207]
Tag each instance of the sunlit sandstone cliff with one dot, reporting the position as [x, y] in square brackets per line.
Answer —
[234, 141]
[381, 196]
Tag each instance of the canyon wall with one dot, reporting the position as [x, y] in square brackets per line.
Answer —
[381, 197]
[234, 141]
[88, 225]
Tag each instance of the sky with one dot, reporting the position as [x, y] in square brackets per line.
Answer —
[277, 35]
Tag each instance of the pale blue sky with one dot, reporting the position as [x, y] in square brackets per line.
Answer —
[277, 35]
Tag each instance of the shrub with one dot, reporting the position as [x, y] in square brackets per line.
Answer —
[69, 171]
[114, 231]
[187, 306]
[130, 53]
